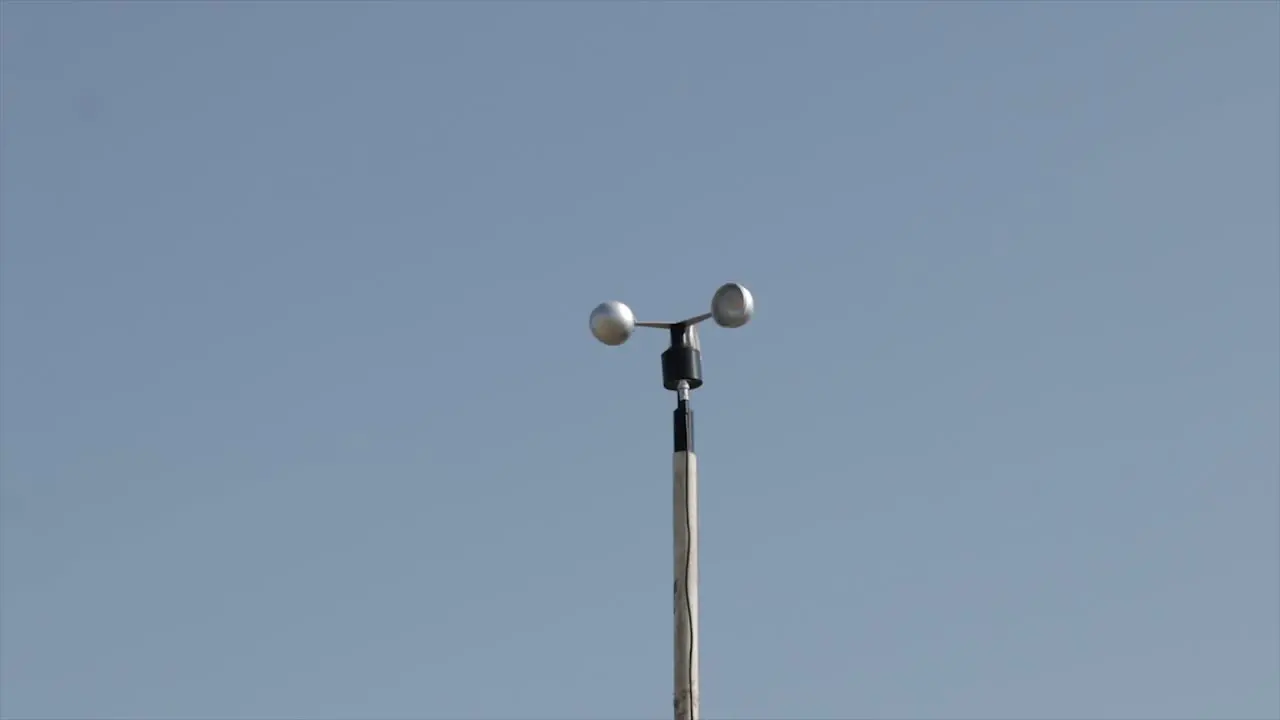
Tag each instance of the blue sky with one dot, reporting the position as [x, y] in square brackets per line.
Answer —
[300, 416]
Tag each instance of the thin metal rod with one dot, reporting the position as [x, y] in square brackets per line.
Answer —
[687, 321]
[685, 533]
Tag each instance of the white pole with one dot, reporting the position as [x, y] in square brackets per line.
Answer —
[685, 506]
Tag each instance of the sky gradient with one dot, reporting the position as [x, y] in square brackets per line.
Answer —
[300, 416]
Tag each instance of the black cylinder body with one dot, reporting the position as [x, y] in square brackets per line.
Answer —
[683, 360]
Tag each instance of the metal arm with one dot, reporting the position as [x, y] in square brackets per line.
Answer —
[689, 322]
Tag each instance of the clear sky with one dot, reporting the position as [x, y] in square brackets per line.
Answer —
[301, 418]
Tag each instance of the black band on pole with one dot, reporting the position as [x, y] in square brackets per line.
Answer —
[683, 426]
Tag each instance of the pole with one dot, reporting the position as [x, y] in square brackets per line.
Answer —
[685, 532]
[612, 323]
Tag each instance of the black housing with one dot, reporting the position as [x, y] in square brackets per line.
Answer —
[683, 360]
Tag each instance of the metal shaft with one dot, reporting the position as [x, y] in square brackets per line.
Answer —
[685, 507]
